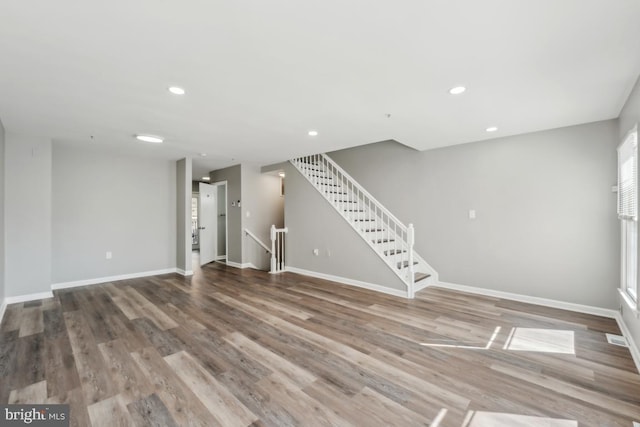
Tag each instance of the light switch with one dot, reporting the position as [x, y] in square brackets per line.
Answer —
[109, 255]
[472, 214]
[316, 252]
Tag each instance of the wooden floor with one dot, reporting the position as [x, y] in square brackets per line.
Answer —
[240, 347]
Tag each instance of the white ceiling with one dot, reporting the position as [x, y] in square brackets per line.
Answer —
[260, 74]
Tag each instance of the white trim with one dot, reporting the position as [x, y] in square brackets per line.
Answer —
[238, 265]
[184, 272]
[95, 281]
[631, 304]
[221, 257]
[421, 285]
[351, 282]
[633, 348]
[28, 297]
[598, 311]
[3, 307]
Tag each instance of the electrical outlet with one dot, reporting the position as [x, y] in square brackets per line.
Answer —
[109, 255]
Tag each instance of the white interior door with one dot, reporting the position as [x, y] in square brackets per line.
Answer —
[207, 219]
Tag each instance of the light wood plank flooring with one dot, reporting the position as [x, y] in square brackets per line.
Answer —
[236, 347]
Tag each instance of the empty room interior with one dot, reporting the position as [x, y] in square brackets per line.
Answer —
[319, 213]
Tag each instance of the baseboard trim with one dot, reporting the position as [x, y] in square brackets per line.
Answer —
[420, 286]
[587, 309]
[3, 307]
[184, 272]
[28, 297]
[220, 257]
[633, 348]
[351, 282]
[238, 265]
[98, 280]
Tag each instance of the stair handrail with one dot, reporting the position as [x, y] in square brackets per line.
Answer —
[257, 239]
[364, 192]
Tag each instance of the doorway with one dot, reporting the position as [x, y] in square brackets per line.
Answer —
[212, 222]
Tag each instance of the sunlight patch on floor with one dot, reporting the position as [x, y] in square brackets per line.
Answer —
[541, 340]
[499, 419]
[496, 331]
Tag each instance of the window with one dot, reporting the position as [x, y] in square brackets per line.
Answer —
[628, 213]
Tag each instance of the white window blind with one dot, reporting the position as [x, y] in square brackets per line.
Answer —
[628, 177]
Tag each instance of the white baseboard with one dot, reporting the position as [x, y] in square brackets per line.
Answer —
[3, 307]
[28, 297]
[420, 286]
[243, 265]
[184, 272]
[598, 311]
[345, 281]
[633, 348]
[221, 257]
[97, 280]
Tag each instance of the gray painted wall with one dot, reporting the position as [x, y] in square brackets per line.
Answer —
[104, 202]
[27, 215]
[546, 224]
[2, 205]
[314, 224]
[629, 117]
[183, 214]
[233, 176]
[262, 206]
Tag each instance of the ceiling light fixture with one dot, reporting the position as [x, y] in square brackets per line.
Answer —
[177, 90]
[281, 174]
[150, 138]
[492, 129]
[206, 178]
[457, 90]
[313, 133]
[203, 154]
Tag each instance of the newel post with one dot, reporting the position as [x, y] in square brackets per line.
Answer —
[410, 242]
[273, 248]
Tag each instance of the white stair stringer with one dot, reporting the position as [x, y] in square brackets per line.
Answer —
[385, 234]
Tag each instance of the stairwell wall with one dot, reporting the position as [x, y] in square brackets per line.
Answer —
[314, 224]
[546, 221]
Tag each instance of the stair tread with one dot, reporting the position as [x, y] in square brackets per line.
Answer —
[364, 219]
[394, 252]
[405, 264]
[417, 276]
[383, 240]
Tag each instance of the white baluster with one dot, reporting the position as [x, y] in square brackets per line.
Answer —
[273, 248]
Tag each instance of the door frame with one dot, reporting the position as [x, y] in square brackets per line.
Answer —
[226, 216]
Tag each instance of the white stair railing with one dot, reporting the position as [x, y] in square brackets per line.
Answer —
[277, 249]
[386, 234]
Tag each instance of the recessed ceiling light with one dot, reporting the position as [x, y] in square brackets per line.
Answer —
[176, 90]
[203, 154]
[313, 133]
[457, 90]
[150, 138]
[492, 129]
[281, 174]
[206, 178]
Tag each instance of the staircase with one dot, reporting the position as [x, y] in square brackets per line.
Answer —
[391, 240]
